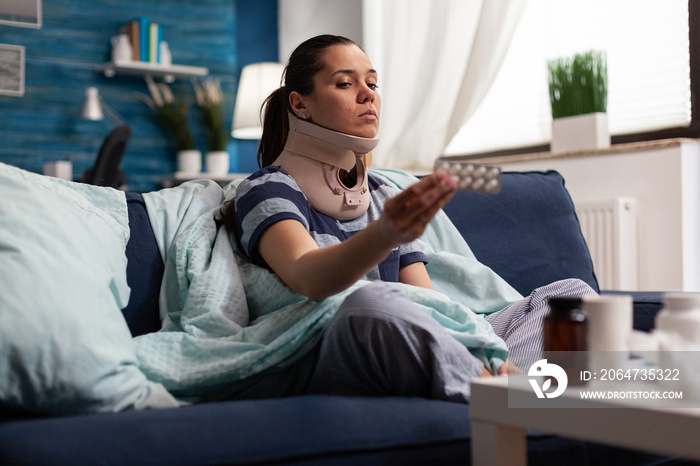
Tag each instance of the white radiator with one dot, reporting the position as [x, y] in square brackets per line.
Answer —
[610, 229]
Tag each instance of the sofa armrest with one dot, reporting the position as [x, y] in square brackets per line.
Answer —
[646, 305]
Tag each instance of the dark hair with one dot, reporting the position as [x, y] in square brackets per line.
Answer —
[304, 63]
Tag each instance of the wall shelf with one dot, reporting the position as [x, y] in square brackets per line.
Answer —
[168, 72]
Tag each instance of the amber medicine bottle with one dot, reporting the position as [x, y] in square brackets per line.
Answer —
[565, 333]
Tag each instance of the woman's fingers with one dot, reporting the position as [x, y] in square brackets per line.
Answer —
[432, 208]
[411, 210]
[425, 198]
[425, 190]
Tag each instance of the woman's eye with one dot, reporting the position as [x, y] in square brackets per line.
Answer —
[373, 86]
[343, 85]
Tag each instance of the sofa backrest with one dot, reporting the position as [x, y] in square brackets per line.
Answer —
[528, 233]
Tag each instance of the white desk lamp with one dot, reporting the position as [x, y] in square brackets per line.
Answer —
[106, 171]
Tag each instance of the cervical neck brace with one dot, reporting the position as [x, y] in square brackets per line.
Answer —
[314, 156]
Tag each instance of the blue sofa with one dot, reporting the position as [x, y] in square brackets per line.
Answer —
[528, 234]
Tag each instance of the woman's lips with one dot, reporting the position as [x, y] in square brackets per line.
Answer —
[369, 115]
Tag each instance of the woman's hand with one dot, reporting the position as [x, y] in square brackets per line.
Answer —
[508, 368]
[407, 214]
[505, 369]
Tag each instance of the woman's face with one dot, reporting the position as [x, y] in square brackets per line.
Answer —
[345, 96]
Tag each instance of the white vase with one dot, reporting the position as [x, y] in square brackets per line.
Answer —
[580, 132]
[217, 163]
[166, 59]
[121, 49]
[189, 162]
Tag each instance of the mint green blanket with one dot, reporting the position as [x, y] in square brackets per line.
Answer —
[225, 319]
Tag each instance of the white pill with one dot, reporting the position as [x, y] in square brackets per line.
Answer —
[491, 185]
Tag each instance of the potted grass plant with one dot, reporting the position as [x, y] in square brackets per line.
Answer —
[171, 111]
[578, 93]
[210, 100]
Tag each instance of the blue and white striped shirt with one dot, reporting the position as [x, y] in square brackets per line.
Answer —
[271, 195]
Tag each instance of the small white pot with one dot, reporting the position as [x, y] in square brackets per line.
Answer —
[217, 163]
[189, 162]
[60, 169]
[580, 132]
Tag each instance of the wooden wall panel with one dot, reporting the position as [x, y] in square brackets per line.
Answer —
[61, 58]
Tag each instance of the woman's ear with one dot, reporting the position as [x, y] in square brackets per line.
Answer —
[298, 105]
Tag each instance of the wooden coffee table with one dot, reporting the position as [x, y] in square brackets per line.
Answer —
[498, 431]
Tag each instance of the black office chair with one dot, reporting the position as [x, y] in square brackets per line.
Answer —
[106, 171]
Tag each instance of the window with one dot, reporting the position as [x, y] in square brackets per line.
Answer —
[649, 73]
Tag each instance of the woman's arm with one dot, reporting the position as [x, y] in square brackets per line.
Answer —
[318, 273]
[415, 274]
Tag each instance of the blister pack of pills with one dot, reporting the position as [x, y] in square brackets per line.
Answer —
[472, 176]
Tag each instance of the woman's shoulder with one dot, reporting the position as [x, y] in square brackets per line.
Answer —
[270, 171]
[266, 178]
[266, 183]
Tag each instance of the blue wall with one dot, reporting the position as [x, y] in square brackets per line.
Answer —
[45, 124]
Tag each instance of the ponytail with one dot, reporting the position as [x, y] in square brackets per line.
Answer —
[275, 127]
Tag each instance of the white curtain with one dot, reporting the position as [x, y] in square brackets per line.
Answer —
[436, 60]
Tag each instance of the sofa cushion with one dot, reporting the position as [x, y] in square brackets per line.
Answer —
[64, 344]
[528, 233]
[144, 270]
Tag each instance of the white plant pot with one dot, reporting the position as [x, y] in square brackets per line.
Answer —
[59, 169]
[217, 163]
[189, 162]
[580, 132]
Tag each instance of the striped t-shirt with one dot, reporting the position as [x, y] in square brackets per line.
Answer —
[271, 195]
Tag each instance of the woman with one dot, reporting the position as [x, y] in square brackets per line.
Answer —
[314, 217]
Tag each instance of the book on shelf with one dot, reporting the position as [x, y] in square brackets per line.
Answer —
[131, 29]
[145, 38]
[154, 38]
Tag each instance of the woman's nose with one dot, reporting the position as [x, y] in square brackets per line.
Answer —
[367, 94]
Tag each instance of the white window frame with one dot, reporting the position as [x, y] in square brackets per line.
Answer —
[692, 130]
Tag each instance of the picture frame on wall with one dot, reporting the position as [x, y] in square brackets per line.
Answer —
[11, 70]
[21, 13]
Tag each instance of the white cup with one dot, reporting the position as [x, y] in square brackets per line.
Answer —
[609, 320]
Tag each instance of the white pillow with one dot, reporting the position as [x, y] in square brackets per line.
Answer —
[65, 347]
